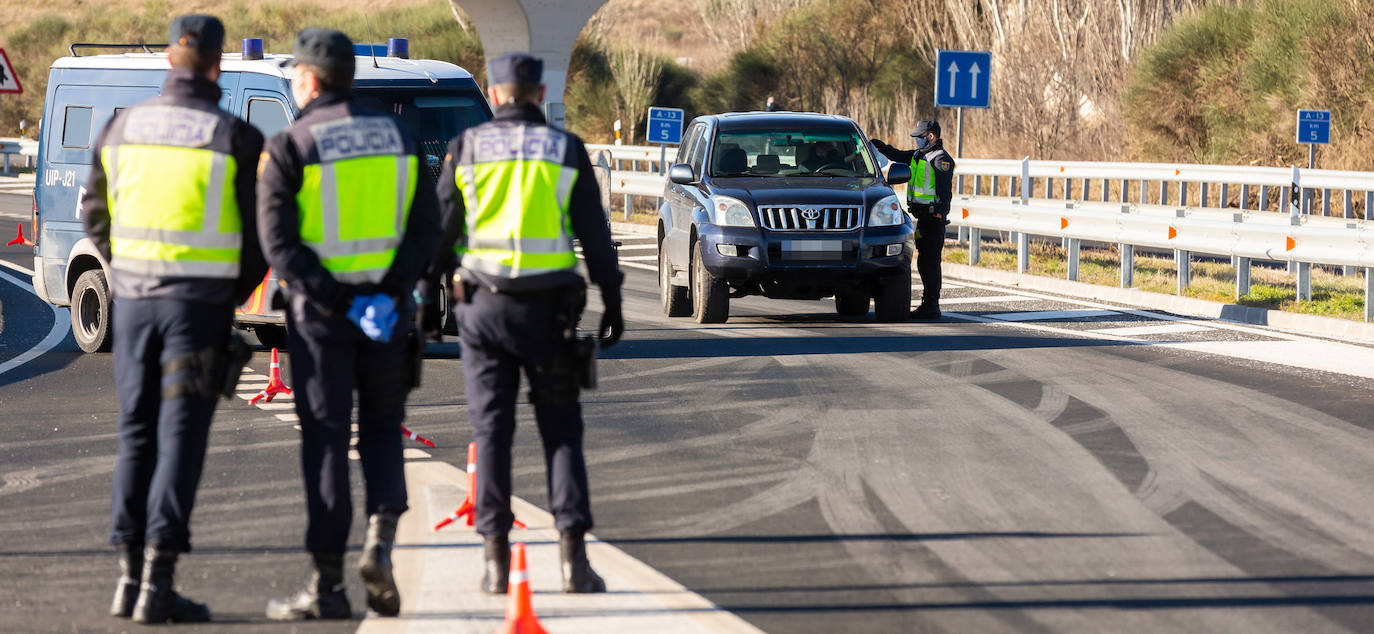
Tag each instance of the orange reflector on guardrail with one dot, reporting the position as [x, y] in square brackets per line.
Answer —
[965, 212]
[1063, 222]
[1173, 233]
[1290, 243]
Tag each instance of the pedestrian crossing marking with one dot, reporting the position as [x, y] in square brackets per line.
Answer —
[1042, 315]
[986, 299]
[1163, 329]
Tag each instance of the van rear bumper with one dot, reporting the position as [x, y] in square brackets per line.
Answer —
[40, 284]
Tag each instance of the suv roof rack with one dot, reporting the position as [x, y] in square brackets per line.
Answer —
[146, 48]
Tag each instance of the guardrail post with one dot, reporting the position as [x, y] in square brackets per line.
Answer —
[1183, 194]
[1125, 191]
[1163, 192]
[975, 245]
[1326, 202]
[1348, 211]
[1368, 205]
[1222, 191]
[1073, 249]
[1244, 196]
[1022, 252]
[1264, 197]
[1242, 277]
[1202, 200]
[1304, 281]
[1049, 188]
[1144, 194]
[994, 185]
[1087, 183]
[1127, 266]
[1183, 260]
[1294, 213]
[1106, 189]
[1369, 294]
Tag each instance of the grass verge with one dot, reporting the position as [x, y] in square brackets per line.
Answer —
[1333, 294]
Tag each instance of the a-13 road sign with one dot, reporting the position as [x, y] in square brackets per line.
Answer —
[1314, 126]
[961, 79]
[665, 125]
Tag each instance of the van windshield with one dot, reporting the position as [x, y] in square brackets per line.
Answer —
[433, 116]
[791, 152]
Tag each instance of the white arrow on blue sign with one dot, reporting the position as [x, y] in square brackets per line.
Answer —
[1314, 126]
[961, 79]
[665, 125]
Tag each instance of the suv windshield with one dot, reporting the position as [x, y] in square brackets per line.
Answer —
[791, 152]
[434, 117]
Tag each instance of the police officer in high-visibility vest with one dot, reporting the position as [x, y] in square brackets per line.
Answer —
[169, 204]
[514, 192]
[928, 195]
[349, 222]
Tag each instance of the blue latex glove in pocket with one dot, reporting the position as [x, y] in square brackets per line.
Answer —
[379, 319]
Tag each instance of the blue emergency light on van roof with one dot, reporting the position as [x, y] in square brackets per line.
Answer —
[398, 47]
[252, 48]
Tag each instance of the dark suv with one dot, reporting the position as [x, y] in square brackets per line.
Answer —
[784, 205]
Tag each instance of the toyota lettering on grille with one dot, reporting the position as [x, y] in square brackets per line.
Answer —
[811, 216]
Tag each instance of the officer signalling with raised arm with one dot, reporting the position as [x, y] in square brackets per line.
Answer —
[928, 195]
[514, 192]
[169, 204]
[349, 221]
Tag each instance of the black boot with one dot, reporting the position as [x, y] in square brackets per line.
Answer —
[157, 601]
[322, 598]
[578, 576]
[927, 311]
[375, 565]
[130, 568]
[496, 574]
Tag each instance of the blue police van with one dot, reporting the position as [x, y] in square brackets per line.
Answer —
[436, 100]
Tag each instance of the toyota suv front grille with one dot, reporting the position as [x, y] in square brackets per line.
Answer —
[783, 218]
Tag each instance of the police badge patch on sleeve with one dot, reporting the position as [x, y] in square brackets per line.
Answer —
[944, 164]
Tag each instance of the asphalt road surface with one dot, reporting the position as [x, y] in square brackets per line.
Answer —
[997, 471]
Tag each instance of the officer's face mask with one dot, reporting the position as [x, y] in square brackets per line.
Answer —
[922, 142]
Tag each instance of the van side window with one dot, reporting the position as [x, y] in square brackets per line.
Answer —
[268, 116]
[76, 127]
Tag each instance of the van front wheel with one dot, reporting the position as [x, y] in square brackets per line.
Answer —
[91, 312]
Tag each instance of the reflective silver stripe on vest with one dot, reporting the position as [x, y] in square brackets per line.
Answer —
[164, 268]
[470, 191]
[567, 176]
[111, 174]
[561, 244]
[214, 193]
[402, 190]
[180, 238]
[489, 267]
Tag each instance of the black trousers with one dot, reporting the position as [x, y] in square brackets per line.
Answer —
[501, 336]
[330, 360]
[928, 248]
[162, 441]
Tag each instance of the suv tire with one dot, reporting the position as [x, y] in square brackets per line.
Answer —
[676, 300]
[91, 325]
[851, 304]
[271, 336]
[892, 302]
[710, 296]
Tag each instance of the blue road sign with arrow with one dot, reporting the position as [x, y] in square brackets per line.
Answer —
[961, 79]
[1314, 126]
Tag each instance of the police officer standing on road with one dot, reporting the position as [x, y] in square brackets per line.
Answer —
[349, 221]
[511, 191]
[169, 204]
[927, 199]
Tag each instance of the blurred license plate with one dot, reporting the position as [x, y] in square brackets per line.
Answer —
[813, 249]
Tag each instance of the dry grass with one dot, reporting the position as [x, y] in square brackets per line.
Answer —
[1333, 294]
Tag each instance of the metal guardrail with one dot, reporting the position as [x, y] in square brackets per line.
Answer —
[20, 147]
[1198, 223]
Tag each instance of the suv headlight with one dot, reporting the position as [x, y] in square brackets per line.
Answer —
[886, 213]
[729, 212]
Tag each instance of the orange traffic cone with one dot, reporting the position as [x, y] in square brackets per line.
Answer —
[274, 383]
[20, 239]
[469, 506]
[416, 437]
[520, 618]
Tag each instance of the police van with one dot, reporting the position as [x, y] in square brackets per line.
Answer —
[436, 100]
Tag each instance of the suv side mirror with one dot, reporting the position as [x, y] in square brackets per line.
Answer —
[898, 173]
[683, 174]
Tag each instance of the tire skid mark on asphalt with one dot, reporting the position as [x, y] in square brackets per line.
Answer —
[61, 325]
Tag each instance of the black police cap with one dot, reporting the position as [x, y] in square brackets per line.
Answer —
[323, 48]
[204, 33]
[516, 68]
[927, 125]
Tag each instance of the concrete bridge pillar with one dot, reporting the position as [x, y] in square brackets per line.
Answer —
[546, 28]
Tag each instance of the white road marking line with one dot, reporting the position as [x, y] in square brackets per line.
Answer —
[1042, 315]
[353, 455]
[276, 405]
[412, 453]
[61, 325]
[1165, 329]
[21, 270]
[638, 258]
[290, 418]
[986, 299]
[636, 265]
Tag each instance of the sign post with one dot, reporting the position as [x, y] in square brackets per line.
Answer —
[1314, 128]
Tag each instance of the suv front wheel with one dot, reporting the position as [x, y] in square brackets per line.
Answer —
[673, 298]
[892, 302]
[710, 296]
